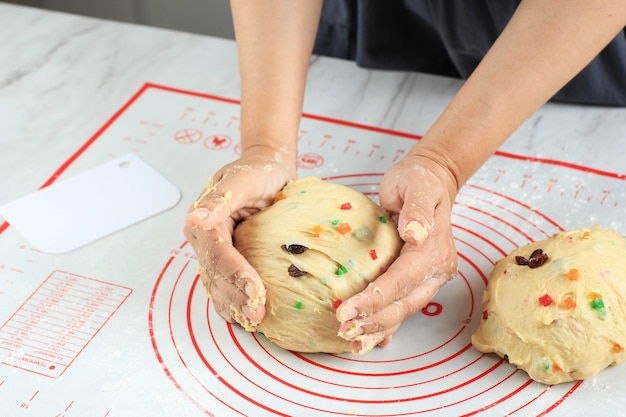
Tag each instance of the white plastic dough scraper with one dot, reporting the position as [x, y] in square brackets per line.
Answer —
[79, 210]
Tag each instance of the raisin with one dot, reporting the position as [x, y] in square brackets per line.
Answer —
[537, 260]
[295, 249]
[520, 260]
[295, 272]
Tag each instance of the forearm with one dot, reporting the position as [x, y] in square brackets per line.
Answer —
[275, 40]
[545, 44]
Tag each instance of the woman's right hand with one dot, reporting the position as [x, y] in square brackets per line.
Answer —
[235, 192]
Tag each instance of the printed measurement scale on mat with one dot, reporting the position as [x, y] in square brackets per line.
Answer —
[196, 364]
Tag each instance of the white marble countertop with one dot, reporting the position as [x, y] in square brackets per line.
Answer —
[63, 76]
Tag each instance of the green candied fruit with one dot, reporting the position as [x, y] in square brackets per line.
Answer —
[382, 219]
[597, 304]
[335, 222]
[342, 270]
[298, 305]
[545, 365]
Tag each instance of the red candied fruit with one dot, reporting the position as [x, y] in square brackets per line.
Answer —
[373, 254]
[545, 300]
[337, 303]
[346, 206]
[485, 314]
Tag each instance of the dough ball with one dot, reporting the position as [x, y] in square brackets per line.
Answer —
[557, 308]
[317, 245]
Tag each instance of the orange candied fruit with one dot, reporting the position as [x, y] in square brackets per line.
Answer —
[556, 367]
[317, 229]
[585, 234]
[344, 228]
[573, 274]
[617, 348]
[594, 296]
[279, 196]
[569, 303]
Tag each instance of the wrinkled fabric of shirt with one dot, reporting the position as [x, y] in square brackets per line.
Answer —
[449, 37]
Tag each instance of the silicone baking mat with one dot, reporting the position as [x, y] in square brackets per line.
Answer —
[122, 327]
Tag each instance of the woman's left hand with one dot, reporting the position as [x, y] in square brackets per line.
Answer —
[418, 192]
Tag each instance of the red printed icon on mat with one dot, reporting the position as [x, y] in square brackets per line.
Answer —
[188, 136]
[217, 142]
[310, 161]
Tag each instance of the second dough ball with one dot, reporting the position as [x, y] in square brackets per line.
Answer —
[556, 308]
[317, 245]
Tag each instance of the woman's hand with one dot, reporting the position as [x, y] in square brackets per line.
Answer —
[418, 192]
[235, 192]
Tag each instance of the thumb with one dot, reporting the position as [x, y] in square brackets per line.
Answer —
[416, 219]
[211, 208]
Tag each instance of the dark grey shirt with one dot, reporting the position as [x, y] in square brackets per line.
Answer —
[449, 37]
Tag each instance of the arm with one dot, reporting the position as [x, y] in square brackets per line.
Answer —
[275, 39]
[545, 44]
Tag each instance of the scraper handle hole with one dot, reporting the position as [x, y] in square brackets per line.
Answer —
[124, 164]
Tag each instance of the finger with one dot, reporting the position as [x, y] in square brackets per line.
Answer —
[415, 222]
[234, 191]
[393, 314]
[234, 286]
[233, 302]
[398, 285]
[386, 341]
[365, 343]
[415, 216]
[400, 278]
[413, 202]
[211, 286]
[213, 206]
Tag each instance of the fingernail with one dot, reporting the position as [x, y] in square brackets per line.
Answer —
[347, 313]
[248, 312]
[357, 347]
[200, 213]
[254, 315]
[415, 231]
[366, 343]
[350, 330]
[385, 342]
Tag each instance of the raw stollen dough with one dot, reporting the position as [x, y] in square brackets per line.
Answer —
[563, 319]
[318, 244]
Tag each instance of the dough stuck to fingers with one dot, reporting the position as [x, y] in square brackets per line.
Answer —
[318, 244]
[556, 308]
